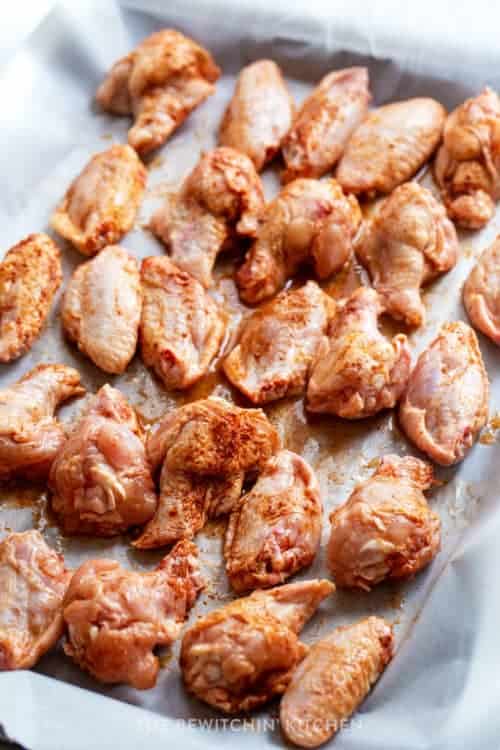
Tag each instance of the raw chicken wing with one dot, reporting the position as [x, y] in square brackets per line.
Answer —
[482, 293]
[333, 680]
[386, 529]
[391, 145]
[260, 113]
[467, 167]
[33, 581]
[160, 83]
[325, 122]
[101, 204]
[101, 308]
[238, 657]
[275, 529]
[277, 345]
[446, 402]
[358, 371]
[30, 437]
[181, 325]
[30, 275]
[408, 243]
[101, 480]
[221, 198]
[310, 221]
[116, 618]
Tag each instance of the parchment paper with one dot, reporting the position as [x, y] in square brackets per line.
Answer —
[440, 689]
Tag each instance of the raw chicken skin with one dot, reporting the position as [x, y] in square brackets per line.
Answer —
[325, 122]
[358, 371]
[33, 581]
[275, 529]
[101, 479]
[259, 114]
[181, 326]
[391, 145]
[101, 204]
[238, 657]
[408, 243]
[446, 402]
[386, 529]
[30, 275]
[482, 293]
[273, 356]
[205, 449]
[30, 437]
[308, 220]
[116, 618]
[160, 83]
[467, 166]
[333, 680]
[220, 199]
[101, 308]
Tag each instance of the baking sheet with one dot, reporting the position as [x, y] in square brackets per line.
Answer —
[438, 690]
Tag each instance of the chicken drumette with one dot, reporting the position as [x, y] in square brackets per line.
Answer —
[277, 345]
[467, 167]
[310, 221]
[391, 145]
[260, 113]
[30, 437]
[275, 529]
[205, 449]
[358, 371]
[407, 244]
[116, 618]
[160, 83]
[239, 657]
[30, 275]
[101, 308]
[33, 581]
[181, 325]
[101, 204]
[446, 402]
[101, 479]
[325, 122]
[333, 679]
[386, 529]
[220, 199]
[482, 293]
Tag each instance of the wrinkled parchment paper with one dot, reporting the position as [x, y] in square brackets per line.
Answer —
[440, 689]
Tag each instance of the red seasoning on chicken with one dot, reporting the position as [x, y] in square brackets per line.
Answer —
[181, 325]
[275, 529]
[101, 308]
[333, 680]
[308, 221]
[408, 243]
[358, 371]
[325, 122]
[446, 402]
[117, 618]
[240, 656]
[33, 581]
[467, 167]
[482, 293]
[30, 436]
[159, 83]
[391, 145]
[259, 114]
[101, 479]
[101, 204]
[30, 275]
[222, 198]
[386, 529]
